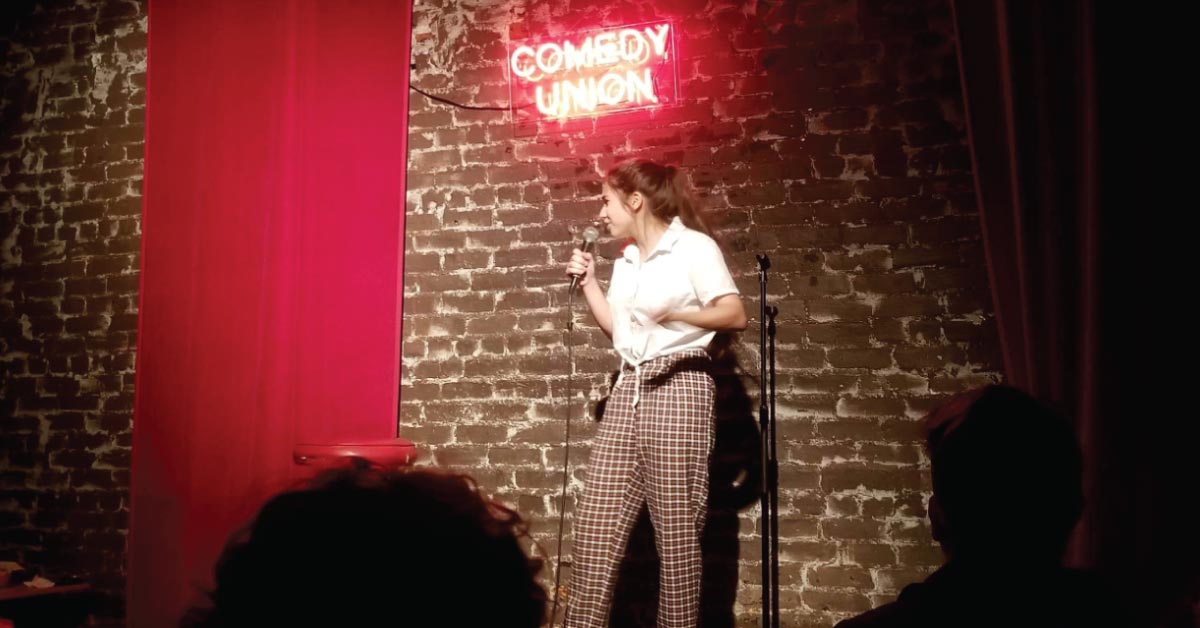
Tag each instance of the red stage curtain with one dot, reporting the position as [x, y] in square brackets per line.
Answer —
[1029, 83]
[271, 263]
[1073, 238]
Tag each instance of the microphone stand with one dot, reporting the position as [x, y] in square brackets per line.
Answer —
[769, 507]
[589, 240]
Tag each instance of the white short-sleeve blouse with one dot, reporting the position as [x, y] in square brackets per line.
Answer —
[685, 272]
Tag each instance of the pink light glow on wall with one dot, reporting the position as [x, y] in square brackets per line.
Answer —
[593, 73]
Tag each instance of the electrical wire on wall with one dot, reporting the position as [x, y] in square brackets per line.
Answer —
[462, 106]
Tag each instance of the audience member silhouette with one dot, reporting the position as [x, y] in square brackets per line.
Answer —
[372, 548]
[1007, 491]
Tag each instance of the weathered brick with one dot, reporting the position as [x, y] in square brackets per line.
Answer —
[860, 358]
[435, 160]
[514, 457]
[531, 256]
[480, 433]
[840, 576]
[850, 478]
[870, 406]
[836, 601]
[523, 300]
[466, 260]
[468, 302]
[929, 357]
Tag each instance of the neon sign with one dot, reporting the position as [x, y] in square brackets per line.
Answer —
[593, 73]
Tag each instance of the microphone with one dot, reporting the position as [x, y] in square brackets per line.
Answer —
[589, 238]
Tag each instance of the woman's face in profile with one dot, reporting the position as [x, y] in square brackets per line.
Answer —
[614, 213]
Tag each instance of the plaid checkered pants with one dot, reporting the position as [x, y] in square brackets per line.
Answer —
[653, 445]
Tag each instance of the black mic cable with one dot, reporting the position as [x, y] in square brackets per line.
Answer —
[590, 235]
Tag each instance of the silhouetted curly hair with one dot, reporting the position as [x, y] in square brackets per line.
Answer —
[372, 548]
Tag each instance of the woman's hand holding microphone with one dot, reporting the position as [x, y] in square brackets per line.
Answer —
[582, 266]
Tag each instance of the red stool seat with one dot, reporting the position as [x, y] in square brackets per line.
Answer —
[387, 453]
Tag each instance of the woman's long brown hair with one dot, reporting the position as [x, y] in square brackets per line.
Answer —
[667, 193]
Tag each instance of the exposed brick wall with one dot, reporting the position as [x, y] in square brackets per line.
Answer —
[70, 205]
[829, 135]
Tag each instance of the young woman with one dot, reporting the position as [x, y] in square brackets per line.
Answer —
[670, 293]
